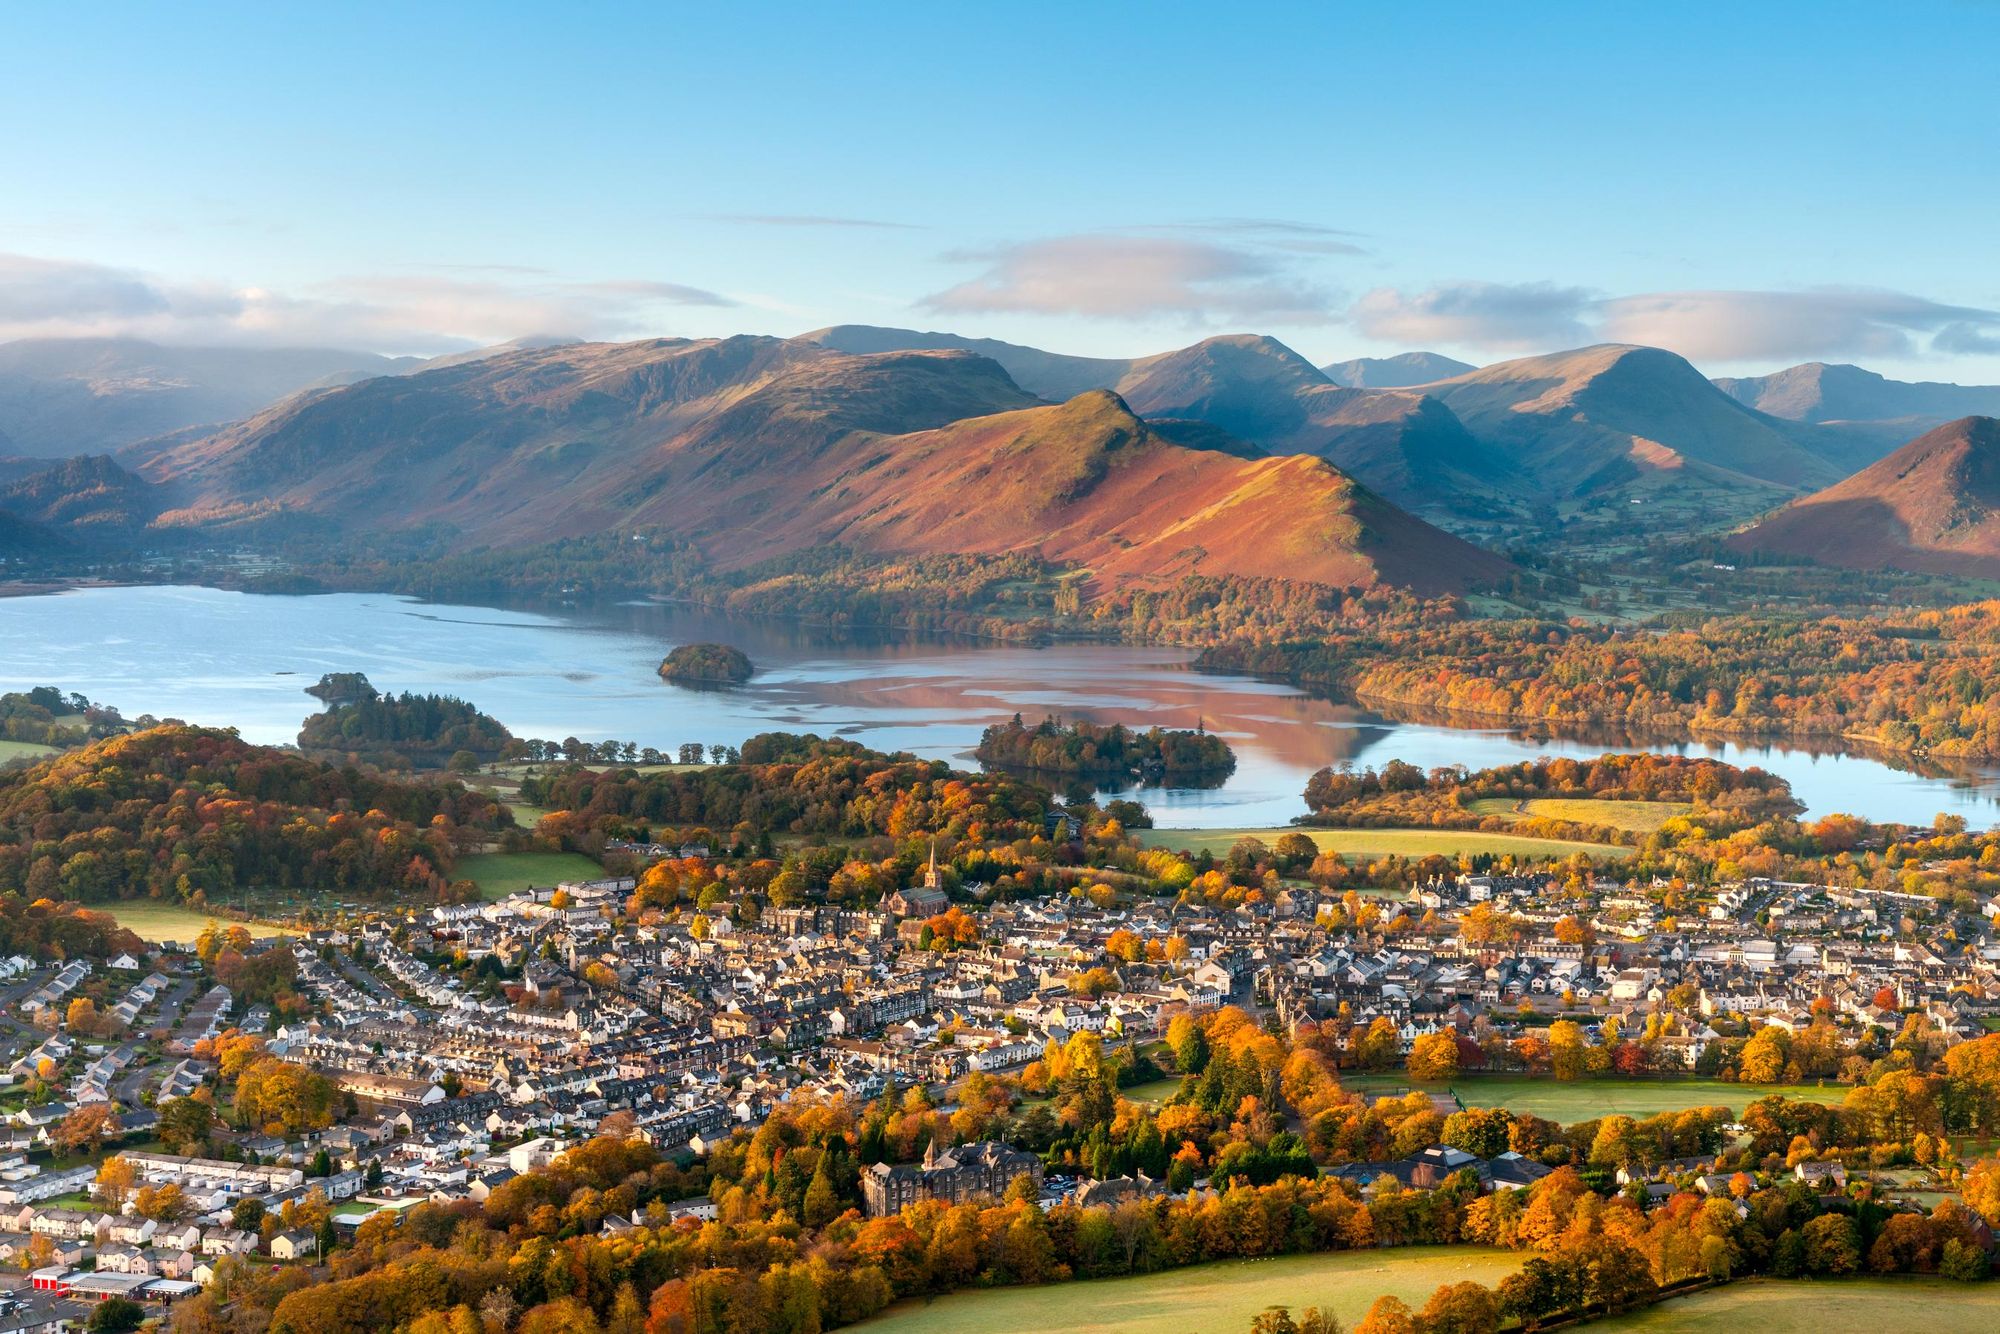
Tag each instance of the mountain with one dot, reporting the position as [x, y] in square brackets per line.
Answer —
[1050, 375]
[1933, 506]
[62, 396]
[1397, 372]
[1605, 417]
[1872, 410]
[90, 492]
[1258, 390]
[756, 447]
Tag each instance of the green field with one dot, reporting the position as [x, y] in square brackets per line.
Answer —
[1641, 817]
[170, 921]
[1151, 1093]
[1351, 843]
[1588, 1099]
[499, 874]
[1795, 1306]
[15, 750]
[1222, 1297]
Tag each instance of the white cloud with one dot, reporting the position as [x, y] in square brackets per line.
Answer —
[1493, 316]
[1109, 276]
[408, 312]
[1712, 326]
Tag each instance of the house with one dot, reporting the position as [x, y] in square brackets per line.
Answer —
[294, 1245]
[955, 1175]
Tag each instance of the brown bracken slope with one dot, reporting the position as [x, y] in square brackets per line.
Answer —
[755, 447]
[1933, 507]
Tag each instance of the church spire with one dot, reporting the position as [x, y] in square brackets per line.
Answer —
[931, 874]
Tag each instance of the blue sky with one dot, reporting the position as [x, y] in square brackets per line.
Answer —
[1750, 185]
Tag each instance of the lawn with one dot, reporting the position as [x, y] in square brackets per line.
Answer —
[1782, 1306]
[1588, 1099]
[1641, 817]
[1151, 1093]
[1352, 843]
[499, 874]
[1225, 1296]
[170, 921]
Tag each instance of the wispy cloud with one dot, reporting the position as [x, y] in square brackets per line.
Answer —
[1112, 276]
[810, 220]
[1719, 326]
[409, 312]
[1305, 238]
[1491, 316]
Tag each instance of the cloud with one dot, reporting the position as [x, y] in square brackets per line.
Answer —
[1111, 276]
[809, 220]
[1306, 238]
[406, 312]
[1497, 316]
[1716, 326]
[1798, 326]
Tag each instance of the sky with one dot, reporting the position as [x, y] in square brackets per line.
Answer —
[1751, 186]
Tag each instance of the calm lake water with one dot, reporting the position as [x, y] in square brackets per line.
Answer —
[243, 660]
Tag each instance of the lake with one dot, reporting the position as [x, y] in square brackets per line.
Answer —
[244, 660]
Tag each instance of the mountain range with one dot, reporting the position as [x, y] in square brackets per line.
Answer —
[548, 438]
[754, 447]
[1932, 506]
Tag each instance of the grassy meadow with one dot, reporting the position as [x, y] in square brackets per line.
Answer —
[24, 750]
[1588, 1099]
[170, 921]
[1361, 843]
[1639, 817]
[499, 874]
[1795, 1306]
[1224, 1296]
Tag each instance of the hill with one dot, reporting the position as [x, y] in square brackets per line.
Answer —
[1933, 506]
[1258, 390]
[1051, 375]
[1873, 412]
[1397, 372]
[63, 396]
[1606, 417]
[921, 452]
[89, 492]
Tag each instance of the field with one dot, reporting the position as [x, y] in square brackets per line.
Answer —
[1639, 817]
[1588, 1099]
[1223, 1297]
[1779, 1306]
[1151, 1093]
[499, 874]
[16, 750]
[1351, 843]
[169, 921]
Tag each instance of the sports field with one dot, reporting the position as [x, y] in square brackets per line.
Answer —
[1800, 1306]
[1640, 817]
[1224, 1297]
[1352, 843]
[170, 921]
[1588, 1099]
[499, 874]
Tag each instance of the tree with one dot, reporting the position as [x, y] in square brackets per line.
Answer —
[115, 1179]
[86, 1128]
[247, 1215]
[115, 1315]
[1568, 1053]
[1461, 1308]
[1389, 1315]
[185, 1124]
[1433, 1058]
[163, 1203]
[1833, 1245]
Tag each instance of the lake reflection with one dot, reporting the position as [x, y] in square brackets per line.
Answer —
[244, 660]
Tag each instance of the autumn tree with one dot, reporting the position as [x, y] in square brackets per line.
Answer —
[1433, 1058]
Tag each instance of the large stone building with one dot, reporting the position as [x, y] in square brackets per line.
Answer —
[968, 1172]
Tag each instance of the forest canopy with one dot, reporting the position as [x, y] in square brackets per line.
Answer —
[708, 664]
[1094, 751]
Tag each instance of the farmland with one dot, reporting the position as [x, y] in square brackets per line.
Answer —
[1773, 1306]
[1638, 817]
[1223, 1296]
[1588, 1099]
[1354, 843]
[170, 921]
[499, 874]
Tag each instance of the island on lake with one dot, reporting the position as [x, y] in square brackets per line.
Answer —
[708, 664]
